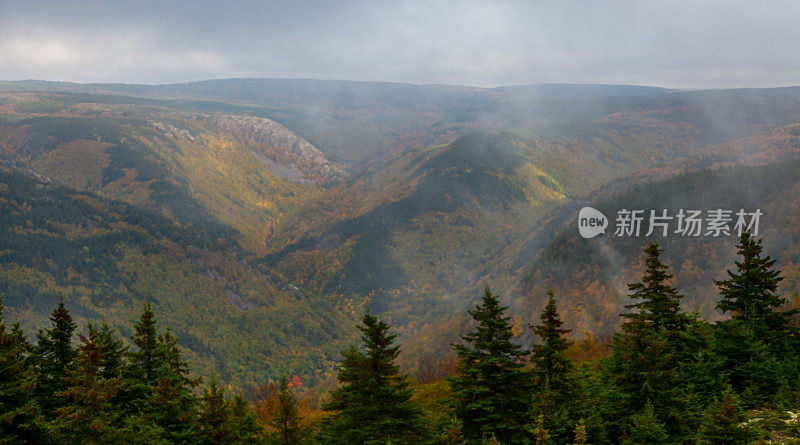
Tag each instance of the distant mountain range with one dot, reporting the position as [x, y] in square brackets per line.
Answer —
[275, 210]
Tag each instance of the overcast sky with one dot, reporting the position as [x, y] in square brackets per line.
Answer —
[691, 44]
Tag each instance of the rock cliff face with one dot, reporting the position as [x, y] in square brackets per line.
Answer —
[281, 150]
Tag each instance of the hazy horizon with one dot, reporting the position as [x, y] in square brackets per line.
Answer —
[682, 45]
[311, 79]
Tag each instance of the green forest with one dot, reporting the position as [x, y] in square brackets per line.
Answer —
[260, 238]
[399, 223]
[216, 263]
[666, 377]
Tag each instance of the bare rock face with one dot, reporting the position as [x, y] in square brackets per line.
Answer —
[281, 150]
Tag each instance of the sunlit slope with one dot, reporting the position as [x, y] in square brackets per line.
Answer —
[105, 259]
[194, 167]
[464, 194]
[418, 235]
[426, 225]
[411, 234]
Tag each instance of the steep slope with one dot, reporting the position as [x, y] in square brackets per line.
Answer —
[105, 259]
[451, 188]
[413, 233]
[349, 121]
[406, 225]
[420, 233]
[196, 168]
[628, 131]
[589, 275]
[353, 122]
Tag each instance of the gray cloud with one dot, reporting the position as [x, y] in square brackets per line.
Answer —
[665, 43]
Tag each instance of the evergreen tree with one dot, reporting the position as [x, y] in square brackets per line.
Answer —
[20, 420]
[491, 392]
[646, 428]
[171, 404]
[555, 389]
[87, 416]
[448, 431]
[53, 357]
[750, 293]
[549, 357]
[144, 361]
[643, 371]
[658, 302]
[637, 374]
[594, 397]
[373, 405]
[214, 422]
[722, 423]
[112, 352]
[696, 372]
[746, 362]
[157, 392]
[753, 344]
[243, 423]
[225, 422]
[286, 423]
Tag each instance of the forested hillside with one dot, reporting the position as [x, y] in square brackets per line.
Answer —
[105, 259]
[590, 274]
[194, 167]
[416, 232]
[666, 376]
[309, 201]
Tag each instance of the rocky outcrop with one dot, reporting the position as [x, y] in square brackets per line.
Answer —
[281, 150]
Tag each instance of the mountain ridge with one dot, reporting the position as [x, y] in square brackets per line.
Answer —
[449, 197]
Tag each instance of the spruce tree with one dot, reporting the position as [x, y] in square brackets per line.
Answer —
[112, 352]
[171, 405]
[243, 423]
[646, 428]
[53, 357]
[549, 357]
[752, 345]
[637, 374]
[555, 389]
[722, 423]
[214, 421]
[448, 431]
[144, 360]
[591, 399]
[286, 422]
[658, 302]
[750, 293]
[225, 422]
[88, 416]
[20, 419]
[746, 362]
[696, 372]
[642, 371]
[373, 403]
[158, 392]
[491, 392]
